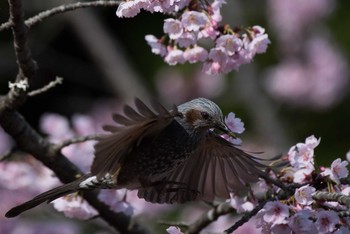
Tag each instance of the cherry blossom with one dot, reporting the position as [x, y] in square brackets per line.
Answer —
[173, 28]
[116, 200]
[231, 43]
[193, 20]
[186, 39]
[234, 124]
[195, 54]
[301, 222]
[174, 230]
[74, 206]
[128, 9]
[174, 56]
[303, 175]
[196, 22]
[241, 204]
[302, 154]
[303, 195]
[337, 171]
[275, 213]
[326, 221]
[156, 45]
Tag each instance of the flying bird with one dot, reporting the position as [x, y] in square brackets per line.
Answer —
[170, 156]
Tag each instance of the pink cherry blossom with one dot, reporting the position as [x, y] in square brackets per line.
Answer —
[275, 213]
[281, 229]
[337, 171]
[156, 45]
[231, 43]
[174, 230]
[241, 204]
[116, 200]
[57, 126]
[195, 54]
[302, 154]
[326, 221]
[186, 39]
[83, 125]
[301, 222]
[211, 68]
[234, 124]
[174, 57]
[74, 206]
[312, 141]
[128, 9]
[173, 28]
[303, 195]
[193, 20]
[304, 174]
[160, 6]
[209, 31]
[218, 54]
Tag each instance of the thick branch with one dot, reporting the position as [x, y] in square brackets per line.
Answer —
[337, 197]
[61, 9]
[26, 65]
[30, 141]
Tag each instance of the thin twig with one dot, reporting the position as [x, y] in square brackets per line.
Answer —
[209, 217]
[247, 216]
[173, 223]
[59, 10]
[50, 85]
[76, 140]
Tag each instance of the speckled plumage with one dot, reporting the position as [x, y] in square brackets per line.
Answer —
[169, 156]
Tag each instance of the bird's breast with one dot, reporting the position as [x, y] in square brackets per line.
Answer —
[159, 154]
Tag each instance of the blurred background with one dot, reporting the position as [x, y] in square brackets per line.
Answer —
[298, 88]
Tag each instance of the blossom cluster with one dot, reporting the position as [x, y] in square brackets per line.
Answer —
[300, 212]
[199, 22]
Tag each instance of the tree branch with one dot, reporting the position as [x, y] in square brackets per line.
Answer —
[337, 197]
[75, 141]
[209, 217]
[59, 10]
[27, 66]
[50, 85]
[30, 141]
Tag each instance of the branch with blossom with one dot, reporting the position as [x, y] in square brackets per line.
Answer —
[32, 21]
[195, 23]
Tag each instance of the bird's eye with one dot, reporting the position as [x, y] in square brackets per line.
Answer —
[205, 115]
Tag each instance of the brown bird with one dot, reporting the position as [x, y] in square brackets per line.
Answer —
[169, 156]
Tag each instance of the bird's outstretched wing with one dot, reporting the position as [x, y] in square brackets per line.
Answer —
[214, 170]
[111, 149]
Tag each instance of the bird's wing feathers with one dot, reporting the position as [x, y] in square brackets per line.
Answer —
[137, 123]
[214, 170]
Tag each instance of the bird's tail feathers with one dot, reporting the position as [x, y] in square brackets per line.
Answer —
[44, 197]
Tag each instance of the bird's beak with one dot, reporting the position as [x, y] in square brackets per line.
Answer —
[222, 127]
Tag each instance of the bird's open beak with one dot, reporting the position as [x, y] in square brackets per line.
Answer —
[222, 127]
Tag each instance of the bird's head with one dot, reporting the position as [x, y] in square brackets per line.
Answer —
[203, 114]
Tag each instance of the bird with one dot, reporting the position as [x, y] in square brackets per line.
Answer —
[169, 156]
